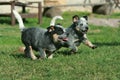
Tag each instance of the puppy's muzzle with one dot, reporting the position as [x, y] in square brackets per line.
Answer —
[85, 31]
[63, 37]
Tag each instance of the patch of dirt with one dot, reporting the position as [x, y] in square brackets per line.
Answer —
[104, 22]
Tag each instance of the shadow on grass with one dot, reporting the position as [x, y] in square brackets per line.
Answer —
[22, 56]
[18, 55]
[5, 20]
[66, 52]
[107, 43]
[57, 53]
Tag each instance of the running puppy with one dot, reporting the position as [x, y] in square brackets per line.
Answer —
[39, 39]
[77, 34]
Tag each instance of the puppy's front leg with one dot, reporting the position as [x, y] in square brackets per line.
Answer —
[88, 43]
[42, 53]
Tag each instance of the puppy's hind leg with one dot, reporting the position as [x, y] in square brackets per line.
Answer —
[42, 53]
[32, 54]
[49, 54]
[29, 53]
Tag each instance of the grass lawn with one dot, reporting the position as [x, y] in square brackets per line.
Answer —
[102, 63]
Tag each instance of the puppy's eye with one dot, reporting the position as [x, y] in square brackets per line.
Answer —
[59, 31]
[81, 24]
[76, 23]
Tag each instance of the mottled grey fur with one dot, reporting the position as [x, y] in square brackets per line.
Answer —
[42, 40]
[77, 34]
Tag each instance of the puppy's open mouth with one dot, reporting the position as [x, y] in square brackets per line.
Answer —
[63, 39]
[84, 31]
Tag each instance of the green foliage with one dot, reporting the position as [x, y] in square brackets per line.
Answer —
[102, 63]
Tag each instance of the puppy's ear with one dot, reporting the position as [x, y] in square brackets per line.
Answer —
[86, 17]
[50, 29]
[75, 18]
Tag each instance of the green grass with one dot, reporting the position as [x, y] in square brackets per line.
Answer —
[102, 63]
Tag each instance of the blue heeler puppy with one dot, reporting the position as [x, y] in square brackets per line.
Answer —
[77, 34]
[42, 40]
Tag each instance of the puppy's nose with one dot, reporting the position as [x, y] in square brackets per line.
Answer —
[66, 33]
[86, 28]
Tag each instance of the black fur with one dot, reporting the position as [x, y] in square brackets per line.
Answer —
[41, 39]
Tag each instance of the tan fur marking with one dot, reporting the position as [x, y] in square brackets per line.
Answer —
[88, 43]
[32, 54]
[21, 49]
[77, 29]
[55, 37]
[52, 28]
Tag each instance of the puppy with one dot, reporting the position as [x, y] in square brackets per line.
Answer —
[42, 40]
[77, 34]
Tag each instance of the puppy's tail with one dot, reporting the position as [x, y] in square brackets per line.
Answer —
[52, 23]
[19, 19]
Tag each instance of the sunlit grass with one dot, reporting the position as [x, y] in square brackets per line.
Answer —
[102, 63]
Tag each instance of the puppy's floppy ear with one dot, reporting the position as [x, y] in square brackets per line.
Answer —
[50, 29]
[75, 18]
[86, 17]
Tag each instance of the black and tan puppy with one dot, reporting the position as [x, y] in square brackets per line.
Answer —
[42, 40]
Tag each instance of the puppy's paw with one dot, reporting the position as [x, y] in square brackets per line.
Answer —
[93, 47]
[34, 58]
[50, 56]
